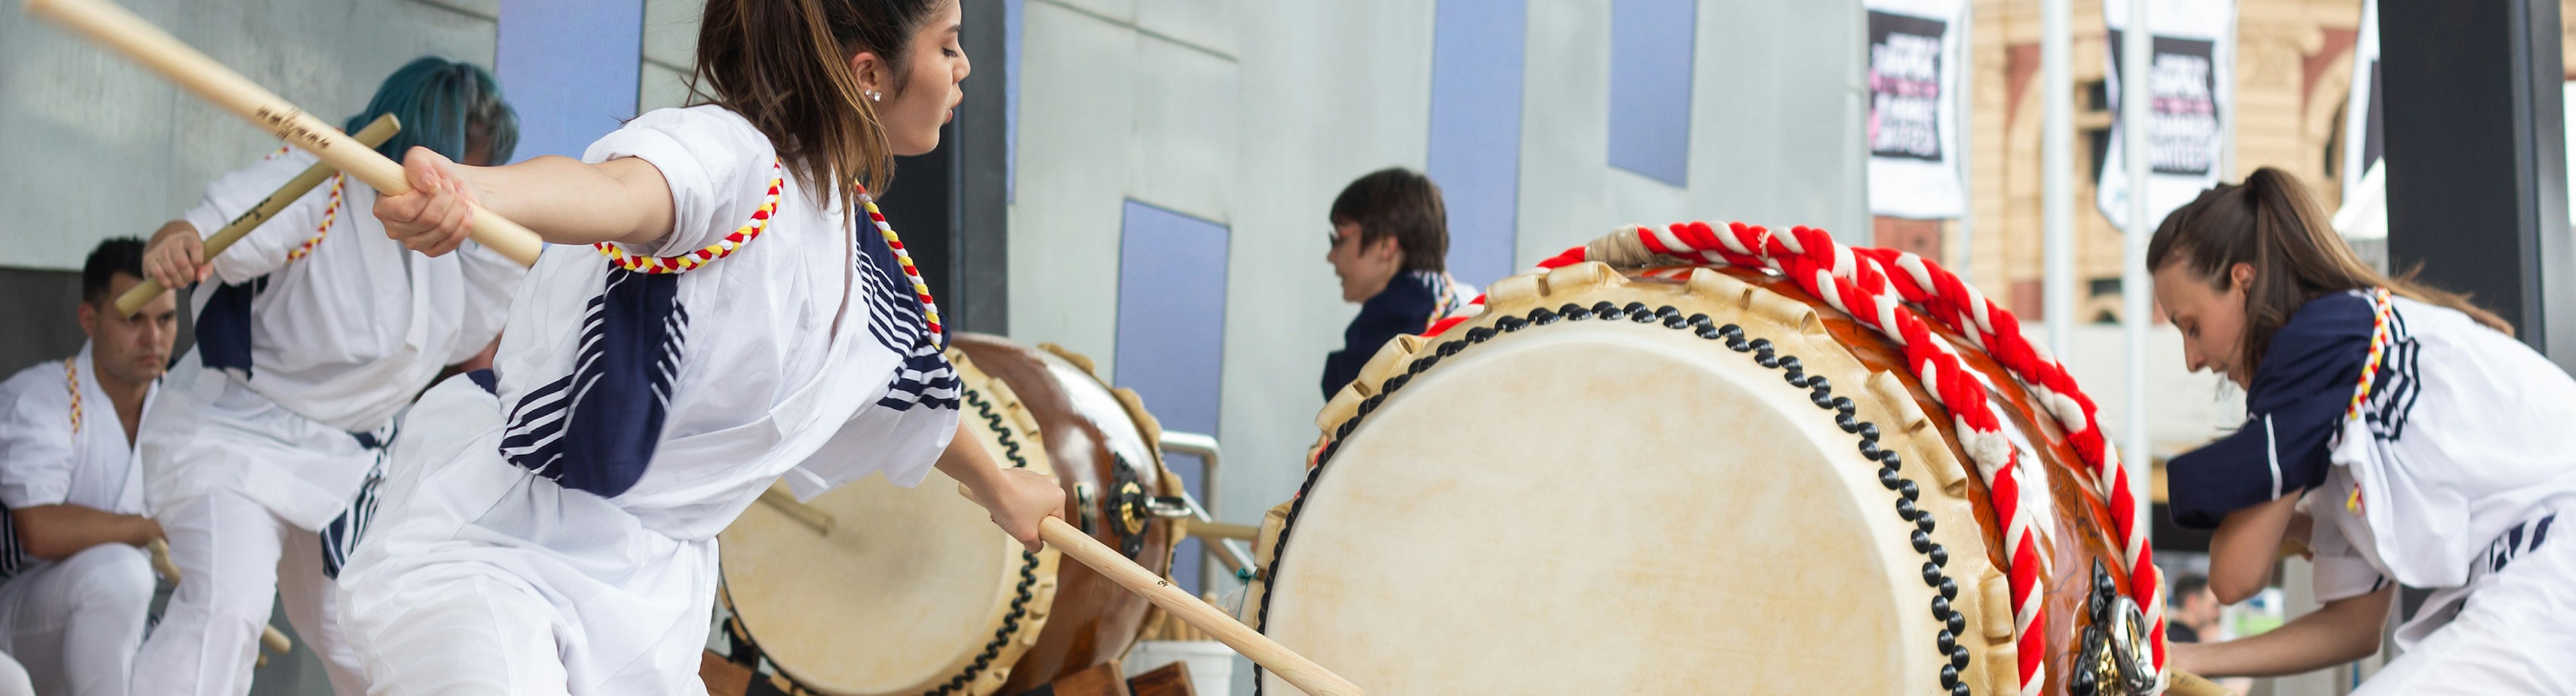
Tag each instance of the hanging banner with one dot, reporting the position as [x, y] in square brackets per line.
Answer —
[1917, 68]
[2190, 76]
[2361, 124]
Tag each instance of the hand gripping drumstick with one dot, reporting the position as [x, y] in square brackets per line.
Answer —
[123, 32]
[1303, 673]
[376, 133]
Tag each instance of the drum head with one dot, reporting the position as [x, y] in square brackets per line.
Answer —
[904, 591]
[1609, 507]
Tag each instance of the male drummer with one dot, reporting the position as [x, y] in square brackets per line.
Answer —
[74, 587]
[1390, 246]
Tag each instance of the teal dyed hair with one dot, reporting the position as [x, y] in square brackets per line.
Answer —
[443, 106]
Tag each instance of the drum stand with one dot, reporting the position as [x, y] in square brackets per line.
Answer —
[724, 677]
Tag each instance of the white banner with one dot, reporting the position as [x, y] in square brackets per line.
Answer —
[2361, 124]
[1917, 71]
[2192, 77]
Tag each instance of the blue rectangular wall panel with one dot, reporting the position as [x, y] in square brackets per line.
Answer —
[571, 68]
[1014, 27]
[1477, 51]
[1171, 334]
[1651, 45]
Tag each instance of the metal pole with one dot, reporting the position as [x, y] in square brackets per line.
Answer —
[2136, 299]
[2057, 139]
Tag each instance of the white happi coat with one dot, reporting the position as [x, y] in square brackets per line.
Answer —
[293, 355]
[569, 510]
[74, 622]
[2459, 477]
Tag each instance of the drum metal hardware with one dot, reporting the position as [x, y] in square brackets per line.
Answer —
[1084, 495]
[1167, 506]
[1129, 507]
[1237, 559]
[2113, 661]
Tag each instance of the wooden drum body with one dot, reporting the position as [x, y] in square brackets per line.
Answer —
[877, 590]
[1588, 501]
[1102, 443]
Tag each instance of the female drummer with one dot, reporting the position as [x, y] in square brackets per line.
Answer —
[2399, 430]
[315, 333]
[734, 312]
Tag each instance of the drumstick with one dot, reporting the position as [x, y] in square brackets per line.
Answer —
[777, 497]
[2181, 683]
[274, 640]
[159, 550]
[1223, 531]
[1304, 673]
[123, 32]
[376, 133]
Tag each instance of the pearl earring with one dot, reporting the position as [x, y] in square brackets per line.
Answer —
[874, 95]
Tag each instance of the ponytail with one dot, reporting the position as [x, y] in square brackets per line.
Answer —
[2270, 222]
[784, 65]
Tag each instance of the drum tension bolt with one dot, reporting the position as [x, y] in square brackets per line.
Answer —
[1168, 506]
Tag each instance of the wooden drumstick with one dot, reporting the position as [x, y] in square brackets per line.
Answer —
[121, 31]
[778, 498]
[2181, 683]
[159, 550]
[1304, 673]
[274, 640]
[1221, 530]
[376, 133]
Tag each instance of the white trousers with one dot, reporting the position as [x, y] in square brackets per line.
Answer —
[479, 577]
[74, 624]
[233, 555]
[2515, 634]
[13, 679]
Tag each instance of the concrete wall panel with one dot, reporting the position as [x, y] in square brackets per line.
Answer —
[1077, 133]
[1184, 151]
[99, 148]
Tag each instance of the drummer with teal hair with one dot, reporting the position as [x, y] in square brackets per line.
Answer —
[313, 332]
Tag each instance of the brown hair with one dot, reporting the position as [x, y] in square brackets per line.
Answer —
[1401, 203]
[2272, 224]
[784, 65]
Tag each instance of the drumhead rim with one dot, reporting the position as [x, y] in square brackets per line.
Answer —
[1031, 597]
[1423, 354]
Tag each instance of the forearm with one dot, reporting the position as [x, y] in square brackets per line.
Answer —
[53, 532]
[568, 202]
[967, 461]
[2341, 631]
[2247, 545]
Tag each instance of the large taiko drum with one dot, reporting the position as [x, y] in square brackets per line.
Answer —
[1680, 480]
[877, 590]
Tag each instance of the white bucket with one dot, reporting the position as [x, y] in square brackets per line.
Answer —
[1211, 663]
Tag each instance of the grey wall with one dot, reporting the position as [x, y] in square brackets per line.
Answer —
[94, 147]
[41, 322]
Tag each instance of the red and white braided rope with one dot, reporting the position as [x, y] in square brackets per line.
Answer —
[71, 381]
[330, 214]
[1874, 287]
